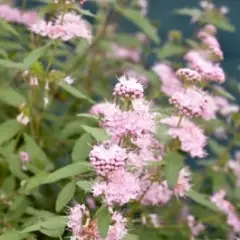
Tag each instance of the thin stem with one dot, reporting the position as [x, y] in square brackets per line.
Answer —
[180, 120]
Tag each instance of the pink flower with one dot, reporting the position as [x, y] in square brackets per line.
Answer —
[107, 157]
[208, 70]
[227, 208]
[75, 219]
[195, 227]
[15, 15]
[224, 107]
[128, 87]
[191, 137]
[170, 82]
[140, 78]
[143, 5]
[120, 188]
[193, 102]
[124, 53]
[186, 74]
[155, 193]
[183, 184]
[24, 157]
[118, 230]
[218, 199]
[65, 27]
[102, 109]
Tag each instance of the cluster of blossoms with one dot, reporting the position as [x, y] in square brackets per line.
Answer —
[65, 27]
[14, 15]
[227, 208]
[120, 163]
[205, 60]
[195, 227]
[82, 227]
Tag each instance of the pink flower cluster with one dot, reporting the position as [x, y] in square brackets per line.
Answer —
[191, 137]
[193, 102]
[224, 107]
[121, 163]
[227, 208]
[66, 27]
[195, 227]
[125, 53]
[204, 60]
[128, 87]
[107, 158]
[120, 188]
[82, 227]
[188, 75]
[15, 15]
[169, 80]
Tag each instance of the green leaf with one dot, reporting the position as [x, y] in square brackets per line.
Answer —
[224, 93]
[174, 162]
[103, 220]
[131, 237]
[75, 92]
[35, 181]
[140, 21]
[192, 12]
[38, 157]
[11, 97]
[162, 134]
[8, 130]
[82, 147]
[15, 167]
[65, 196]
[201, 199]
[35, 55]
[58, 222]
[10, 64]
[68, 171]
[98, 133]
[12, 235]
[85, 185]
[170, 50]
[215, 147]
[8, 27]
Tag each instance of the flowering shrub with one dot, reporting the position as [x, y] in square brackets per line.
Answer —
[95, 145]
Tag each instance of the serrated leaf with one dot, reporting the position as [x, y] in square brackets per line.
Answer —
[140, 21]
[201, 199]
[35, 55]
[75, 92]
[174, 162]
[103, 220]
[85, 185]
[98, 133]
[68, 171]
[8, 130]
[82, 147]
[65, 196]
[11, 97]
